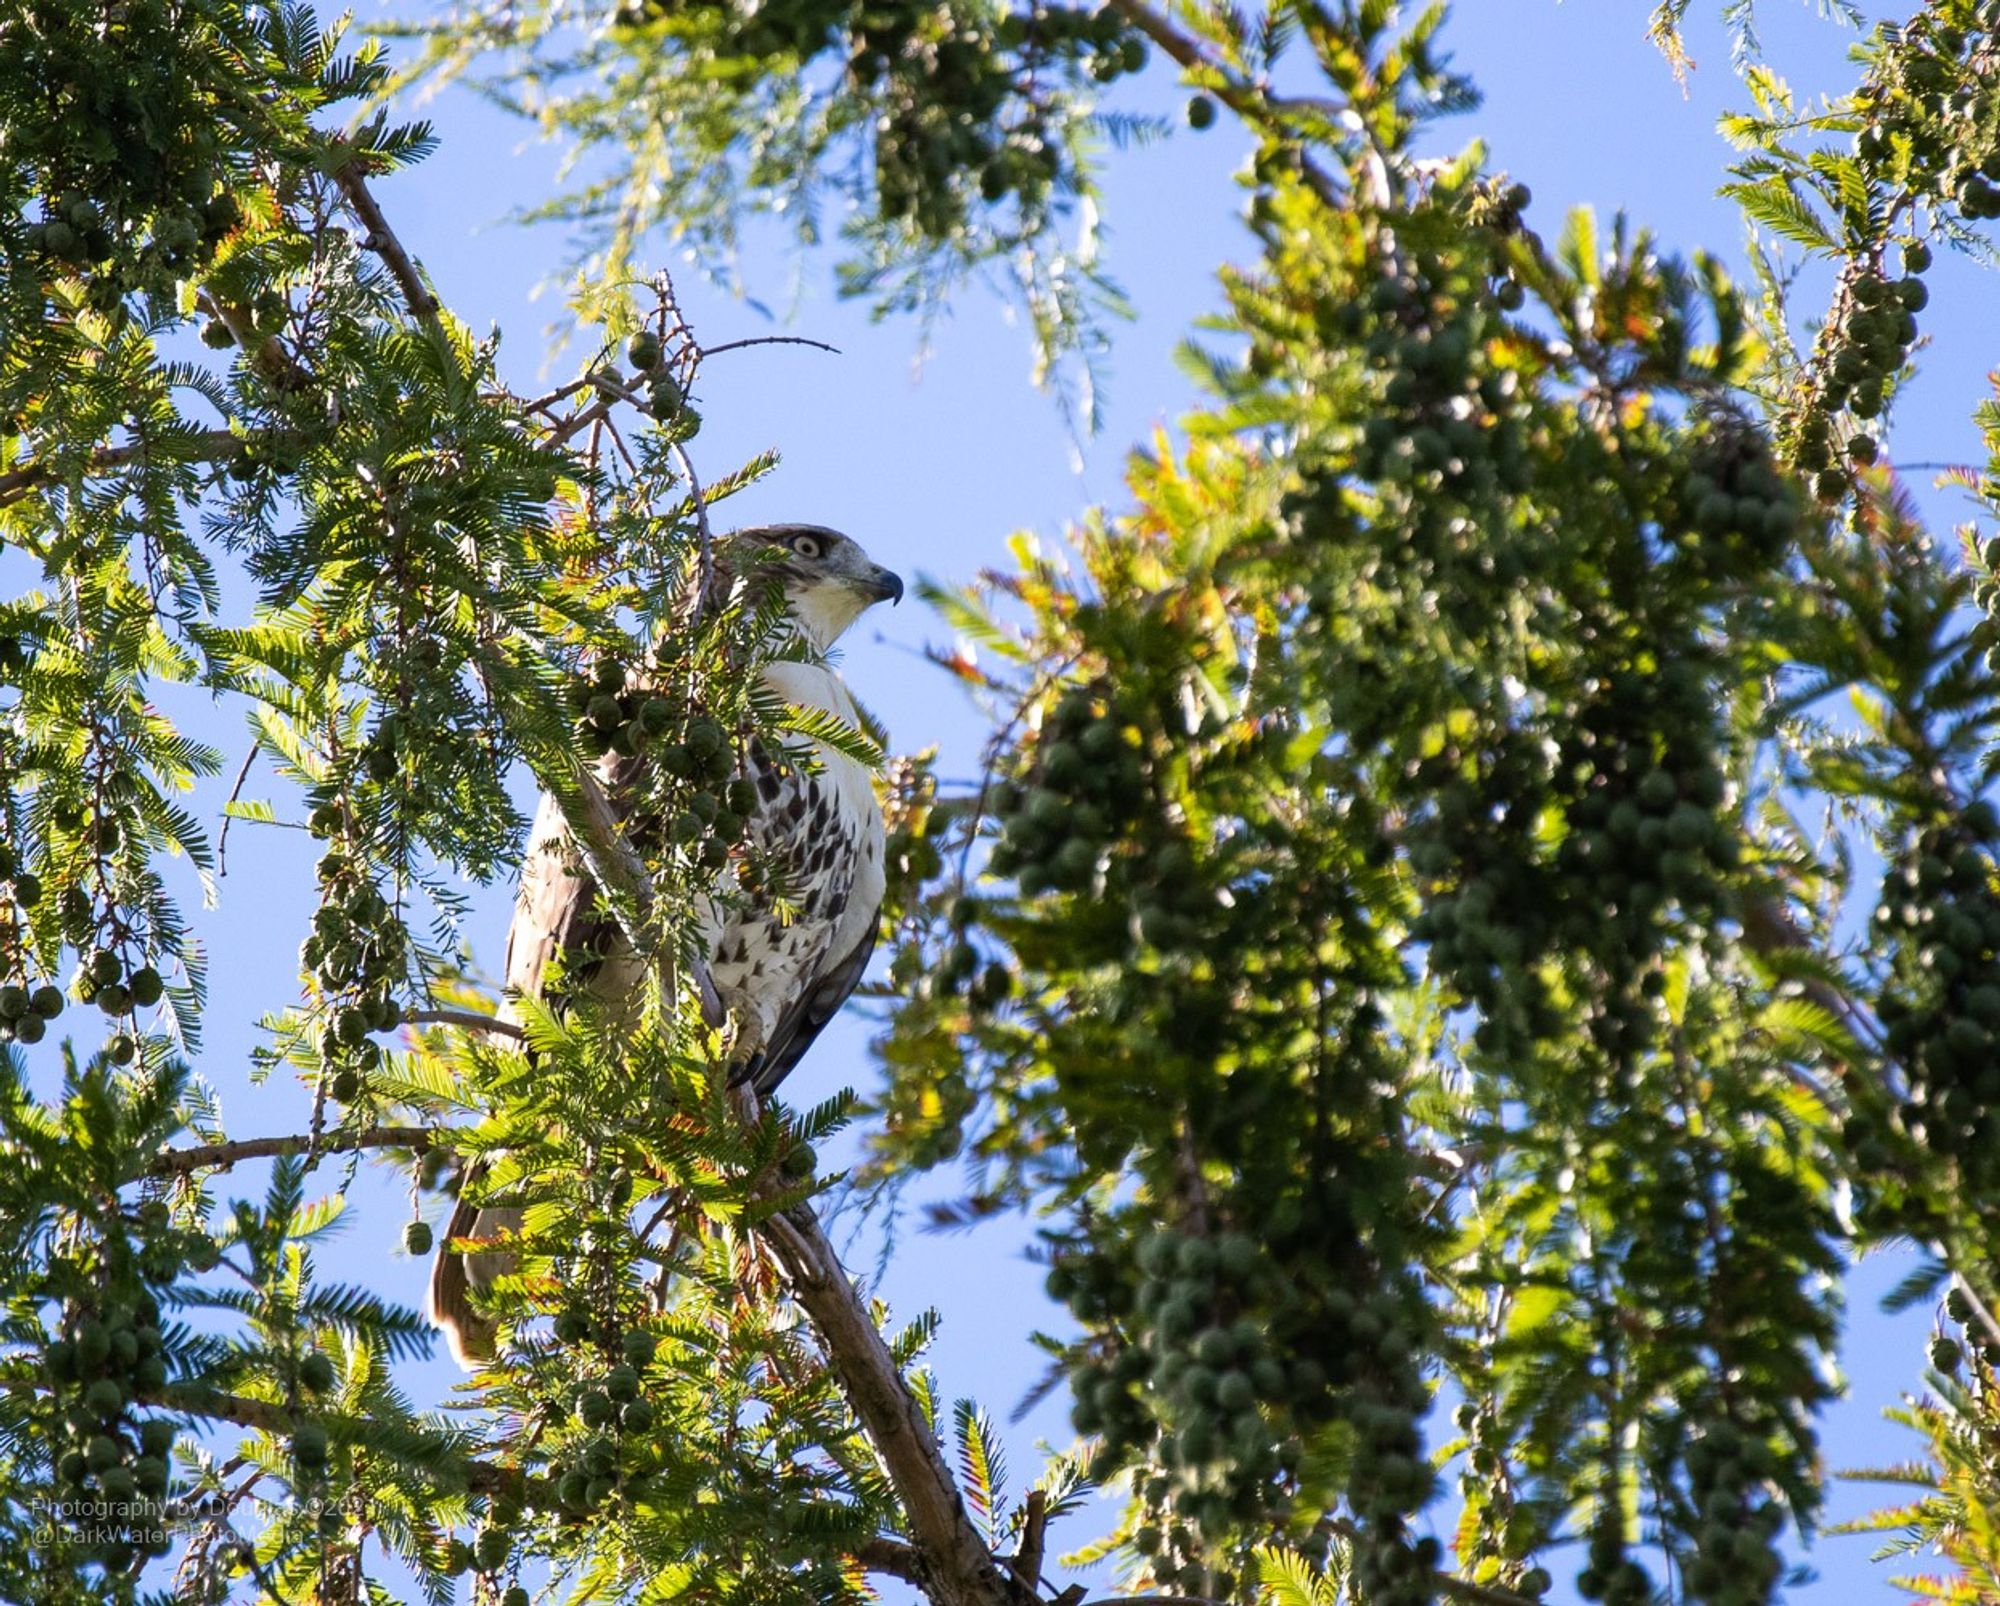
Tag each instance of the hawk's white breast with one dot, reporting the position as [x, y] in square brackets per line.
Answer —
[825, 828]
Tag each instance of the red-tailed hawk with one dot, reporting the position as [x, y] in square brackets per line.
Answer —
[781, 980]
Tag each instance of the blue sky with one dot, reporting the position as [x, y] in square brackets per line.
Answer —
[933, 463]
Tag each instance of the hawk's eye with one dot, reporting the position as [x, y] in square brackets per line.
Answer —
[807, 546]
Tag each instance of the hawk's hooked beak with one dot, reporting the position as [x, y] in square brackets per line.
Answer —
[883, 585]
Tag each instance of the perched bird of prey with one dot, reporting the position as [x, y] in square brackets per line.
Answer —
[780, 979]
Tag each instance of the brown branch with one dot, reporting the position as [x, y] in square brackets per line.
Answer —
[213, 445]
[383, 242]
[1027, 1563]
[1770, 931]
[767, 340]
[1156, 1600]
[482, 1477]
[236, 791]
[268, 357]
[542, 404]
[1255, 106]
[705, 574]
[955, 1566]
[892, 1558]
[561, 434]
[470, 1019]
[221, 1156]
[616, 866]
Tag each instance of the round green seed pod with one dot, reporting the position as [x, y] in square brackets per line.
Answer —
[417, 1237]
[489, 1550]
[316, 1372]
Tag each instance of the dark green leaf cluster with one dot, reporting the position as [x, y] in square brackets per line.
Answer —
[964, 98]
[1941, 919]
[130, 130]
[937, 138]
[1372, 826]
[1911, 155]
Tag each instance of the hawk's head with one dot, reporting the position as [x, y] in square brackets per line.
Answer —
[829, 581]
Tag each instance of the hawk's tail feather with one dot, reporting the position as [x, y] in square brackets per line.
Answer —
[456, 1277]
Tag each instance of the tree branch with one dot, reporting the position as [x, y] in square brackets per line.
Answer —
[892, 1558]
[1258, 109]
[214, 445]
[618, 869]
[383, 242]
[470, 1019]
[482, 1477]
[768, 340]
[1027, 1563]
[221, 1156]
[954, 1566]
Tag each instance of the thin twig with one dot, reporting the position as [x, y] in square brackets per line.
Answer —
[768, 340]
[221, 1156]
[1981, 1315]
[542, 404]
[482, 1477]
[567, 431]
[705, 577]
[618, 440]
[1248, 101]
[470, 1019]
[236, 791]
[210, 446]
